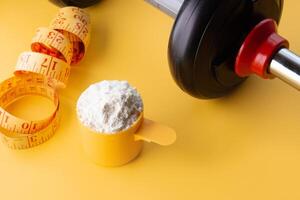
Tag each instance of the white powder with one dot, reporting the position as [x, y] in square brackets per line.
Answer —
[109, 106]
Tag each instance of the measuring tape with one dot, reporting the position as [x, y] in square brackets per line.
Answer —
[42, 72]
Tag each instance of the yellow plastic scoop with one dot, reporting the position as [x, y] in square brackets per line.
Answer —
[122, 147]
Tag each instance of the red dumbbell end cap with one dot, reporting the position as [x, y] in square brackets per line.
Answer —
[258, 50]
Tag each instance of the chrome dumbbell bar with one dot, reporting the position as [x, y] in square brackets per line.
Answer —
[170, 7]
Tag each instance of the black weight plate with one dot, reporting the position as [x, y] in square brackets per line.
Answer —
[205, 40]
[77, 3]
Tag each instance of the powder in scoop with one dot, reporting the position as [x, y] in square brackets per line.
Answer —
[109, 106]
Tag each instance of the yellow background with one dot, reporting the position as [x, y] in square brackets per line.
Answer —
[243, 146]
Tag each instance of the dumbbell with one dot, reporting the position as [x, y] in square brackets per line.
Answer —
[216, 44]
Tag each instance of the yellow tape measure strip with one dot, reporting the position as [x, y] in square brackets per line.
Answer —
[49, 66]
[74, 21]
[19, 133]
[42, 72]
[55, 40]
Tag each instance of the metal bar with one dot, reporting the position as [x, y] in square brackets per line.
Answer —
[286, 66]
[170, 7]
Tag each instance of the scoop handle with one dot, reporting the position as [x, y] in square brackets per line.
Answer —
[151, 131]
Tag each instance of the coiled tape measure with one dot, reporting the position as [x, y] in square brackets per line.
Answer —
[42, 72]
